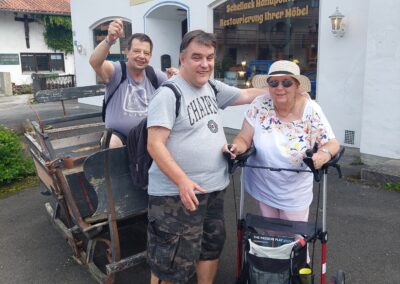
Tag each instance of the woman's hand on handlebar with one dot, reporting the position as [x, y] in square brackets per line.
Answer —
[241, 142]
[233, 150]
[325, 153]
[320, 158]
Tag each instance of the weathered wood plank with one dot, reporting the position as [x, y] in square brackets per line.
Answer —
[75, 127]
[76, 141]
[54, 95]
[70, 118]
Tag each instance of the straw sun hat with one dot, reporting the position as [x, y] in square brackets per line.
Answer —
[283, 68]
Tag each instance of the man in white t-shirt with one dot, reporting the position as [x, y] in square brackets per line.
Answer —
[186, 230]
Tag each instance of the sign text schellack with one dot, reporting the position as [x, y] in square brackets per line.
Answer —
[262, 15]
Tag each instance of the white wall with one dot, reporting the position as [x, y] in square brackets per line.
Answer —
[166, 37]
[85, 16]
[351, 72]
[341, 63]
[13, 35]
[381, 104]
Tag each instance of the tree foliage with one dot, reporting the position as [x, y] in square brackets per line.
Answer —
[58, 32]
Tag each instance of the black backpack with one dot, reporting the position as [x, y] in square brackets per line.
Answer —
[139, 159]
[150, 74]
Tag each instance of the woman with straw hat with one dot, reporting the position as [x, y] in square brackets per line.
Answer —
[282, 126]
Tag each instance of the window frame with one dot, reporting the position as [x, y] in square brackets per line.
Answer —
[50, 64]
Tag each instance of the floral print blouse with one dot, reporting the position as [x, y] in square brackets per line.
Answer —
[281, 144]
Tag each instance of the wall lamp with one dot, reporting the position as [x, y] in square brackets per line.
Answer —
[79, 47]
[338, 27]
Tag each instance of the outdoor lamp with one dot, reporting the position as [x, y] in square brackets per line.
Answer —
[79, 48]
[241, 73]
[337, 23]
[243, 63]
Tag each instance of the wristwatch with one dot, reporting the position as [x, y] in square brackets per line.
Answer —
[110, 43]
[326, 151]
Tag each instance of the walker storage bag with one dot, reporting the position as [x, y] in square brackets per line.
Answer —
[269, 251]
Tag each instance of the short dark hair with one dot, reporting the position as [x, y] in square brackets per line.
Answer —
[140, 37]
[198, 36]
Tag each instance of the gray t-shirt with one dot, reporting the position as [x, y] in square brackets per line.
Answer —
[196, 136]
[129, 103]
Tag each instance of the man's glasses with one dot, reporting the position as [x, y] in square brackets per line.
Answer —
[285, 83]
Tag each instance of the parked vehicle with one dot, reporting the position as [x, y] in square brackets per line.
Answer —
[257, 67]
[312, 75]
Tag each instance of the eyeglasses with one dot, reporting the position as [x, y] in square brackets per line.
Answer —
[285, 83]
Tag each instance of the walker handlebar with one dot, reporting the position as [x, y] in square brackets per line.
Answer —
[331, 163]
[240, 161]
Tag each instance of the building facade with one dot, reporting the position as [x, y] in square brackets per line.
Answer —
[23, 50]
[353, 76]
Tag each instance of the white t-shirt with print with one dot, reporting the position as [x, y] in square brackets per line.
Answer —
[282, 145]
[196, 136]
[128, 105]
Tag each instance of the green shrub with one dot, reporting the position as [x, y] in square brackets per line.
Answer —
[22, 89]
[14, 164]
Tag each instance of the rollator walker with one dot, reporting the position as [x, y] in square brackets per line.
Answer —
[275, 251]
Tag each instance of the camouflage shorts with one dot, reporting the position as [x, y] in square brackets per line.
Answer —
[177, 238]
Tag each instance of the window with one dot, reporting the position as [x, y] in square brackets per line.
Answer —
[39, 62]
[253, 34]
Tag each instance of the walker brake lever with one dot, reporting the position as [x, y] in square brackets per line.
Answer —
[310, 152]
[339, 170]
[310, 163]
[230, 161]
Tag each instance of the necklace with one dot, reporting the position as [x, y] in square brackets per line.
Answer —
[288, 113]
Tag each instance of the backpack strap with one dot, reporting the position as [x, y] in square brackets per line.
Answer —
[151, 75]
[177, 94]
[213, 87]
[123, 78]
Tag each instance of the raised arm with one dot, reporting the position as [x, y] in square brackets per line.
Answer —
[248, 95]
[104, 68]
[156, 145]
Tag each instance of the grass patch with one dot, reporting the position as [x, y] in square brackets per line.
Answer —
[29, 181]
[392, 186]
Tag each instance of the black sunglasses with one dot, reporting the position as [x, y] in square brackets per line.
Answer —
[285, 83]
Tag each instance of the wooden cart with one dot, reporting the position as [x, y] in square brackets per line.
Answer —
[95, 206]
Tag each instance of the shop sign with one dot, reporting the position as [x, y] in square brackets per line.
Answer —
[137, 2]
[9, 59]
[254, 11]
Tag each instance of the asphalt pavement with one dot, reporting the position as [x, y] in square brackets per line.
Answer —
[16, 110]
[363, 224]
